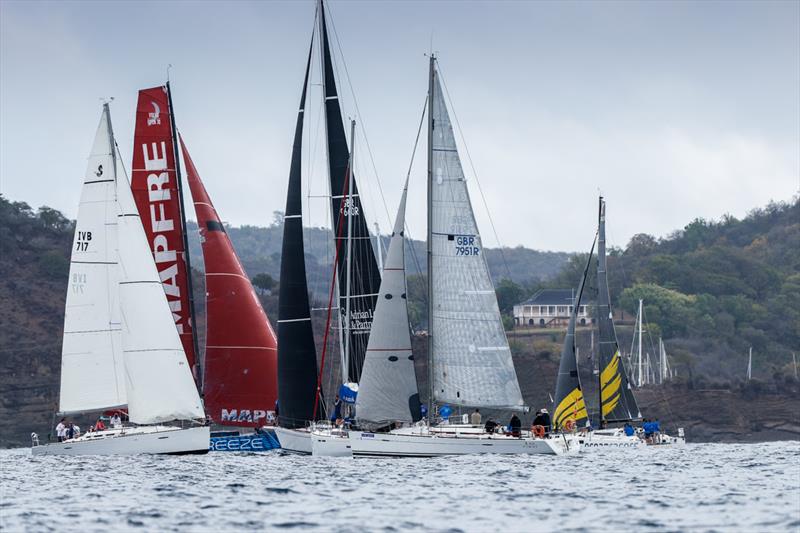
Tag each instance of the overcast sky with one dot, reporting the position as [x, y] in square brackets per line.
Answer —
[673, 110]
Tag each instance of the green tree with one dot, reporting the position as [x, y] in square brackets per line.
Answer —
[264, 282]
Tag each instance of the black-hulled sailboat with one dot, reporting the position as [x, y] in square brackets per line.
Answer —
[617, 403]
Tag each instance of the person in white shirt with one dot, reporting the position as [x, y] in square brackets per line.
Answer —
[61, 430]
[116, 421]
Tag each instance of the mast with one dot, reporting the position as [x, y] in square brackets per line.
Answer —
[198, 370]
[430, 235]
[349, 206]
[639, 325]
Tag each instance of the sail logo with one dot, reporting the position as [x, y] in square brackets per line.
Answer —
[154, 118]
[350, 208]
[254, 416]
[360, 321]
[158, 194]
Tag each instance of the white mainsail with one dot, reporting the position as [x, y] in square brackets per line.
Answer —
[158, 379]
[92, 376]
[388, 387]
[472, 362]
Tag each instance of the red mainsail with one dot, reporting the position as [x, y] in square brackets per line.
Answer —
[241, 360]
[157, 194]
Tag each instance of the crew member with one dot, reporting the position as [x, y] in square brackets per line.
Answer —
[516, 425]
[475, 418]
[61, 429]
[542, 419]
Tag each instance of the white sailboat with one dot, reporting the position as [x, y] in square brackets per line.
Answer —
[121, 347]
[469, 358]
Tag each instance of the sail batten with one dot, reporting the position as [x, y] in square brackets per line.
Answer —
[240, 363]
[471, 360]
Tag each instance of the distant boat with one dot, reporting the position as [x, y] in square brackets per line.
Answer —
[121, 349]
[240, 382]
[469, 359]
[617, 403]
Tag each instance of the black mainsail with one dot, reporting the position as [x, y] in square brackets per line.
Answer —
[617, 403]
[365, 277]
[297, 354]
[569, 403]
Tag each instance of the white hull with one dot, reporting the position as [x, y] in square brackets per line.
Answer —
[294, 440]
[132, 440]
[427, 444]
[330, 443]
[616, 438]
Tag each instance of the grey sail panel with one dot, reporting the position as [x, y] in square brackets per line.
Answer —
[570, 403]
[388, 388]
[616, 395]
[472, 362]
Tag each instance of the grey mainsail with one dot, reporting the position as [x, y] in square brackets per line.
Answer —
[471, 360]
[388, 389]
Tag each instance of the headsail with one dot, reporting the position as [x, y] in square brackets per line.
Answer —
[158, 378]
[240, 364]
[297, 353]
[569, 401]
[156, 191]
[616, 396]
[92, 372]
[472, 362]
[365, 276]
[388, 387]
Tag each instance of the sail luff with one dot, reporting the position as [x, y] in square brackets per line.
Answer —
[617, 402]
[297, 353]
[92, 368]
[241, 348]
[388, 388]
[570, 402]
[366, 276]
[472, 362]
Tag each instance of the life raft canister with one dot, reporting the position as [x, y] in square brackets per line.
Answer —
[538, 431]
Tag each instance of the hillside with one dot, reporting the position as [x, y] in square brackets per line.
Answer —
[750, 266]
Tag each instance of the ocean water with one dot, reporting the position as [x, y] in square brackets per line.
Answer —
[699, 487]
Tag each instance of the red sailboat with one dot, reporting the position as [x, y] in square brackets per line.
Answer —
[240, 379]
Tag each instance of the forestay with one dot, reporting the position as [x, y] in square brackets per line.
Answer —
[472, 362]
[92, 374]
[158, 379]
[388, 387]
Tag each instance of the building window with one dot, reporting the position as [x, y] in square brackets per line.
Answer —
[551, 310]
[583, 321]
[530, 322]
[562, 310]
[571, 309]
[541, 321]
[582, 310]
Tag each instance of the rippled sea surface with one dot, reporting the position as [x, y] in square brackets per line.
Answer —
[699, 487]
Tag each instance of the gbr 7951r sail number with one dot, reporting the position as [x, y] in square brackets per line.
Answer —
[466, 246]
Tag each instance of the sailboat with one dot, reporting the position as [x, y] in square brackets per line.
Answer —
[240, 384]
[617, 403]
[357, 277]
[121, 348]
[469, 359]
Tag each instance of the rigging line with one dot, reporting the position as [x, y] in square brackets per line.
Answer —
[474, 172]
[408, 175]
[360, 118]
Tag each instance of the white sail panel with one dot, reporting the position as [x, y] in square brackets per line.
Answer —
[159, 382]
[472, 362]
[92, 374]
[388, 387]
